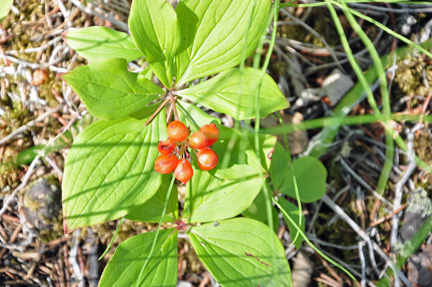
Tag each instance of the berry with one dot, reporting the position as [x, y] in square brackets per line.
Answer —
[165, 163]
[166, 147]
[177, 131]
[212, 133]
[198, 140]
[207, 159]
[183, 171]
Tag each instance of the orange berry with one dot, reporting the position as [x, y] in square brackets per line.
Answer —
[165, 163]
[212, 133]
[198, 140]
[183, 171]
[207, 159]
[177, 131]
[166, 147]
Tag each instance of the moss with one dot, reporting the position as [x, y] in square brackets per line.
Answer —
[339, 231]
[409, 75]
[423, 146]
[15, 116]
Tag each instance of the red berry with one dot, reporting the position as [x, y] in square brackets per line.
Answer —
[183, 171]
[177, 131]
[212, 133]
[165, 163]
[198, 140]
[166, 147]
[207, 159]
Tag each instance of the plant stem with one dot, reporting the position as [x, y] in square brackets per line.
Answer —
[257, 102]
[182, 149]
[173, 104]
[112, 240]
[291, 167]
[170, 111]
[157, 111]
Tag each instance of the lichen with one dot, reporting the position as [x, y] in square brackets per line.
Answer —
[420, 203]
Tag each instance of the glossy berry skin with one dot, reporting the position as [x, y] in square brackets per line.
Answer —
[198, 140]
[177, 131]
[207, 159]
[166, 147]
[165, 163]
[212, 133]
[183, 171]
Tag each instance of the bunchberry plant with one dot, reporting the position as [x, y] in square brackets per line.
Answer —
[121, 165]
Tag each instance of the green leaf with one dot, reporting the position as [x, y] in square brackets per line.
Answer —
[293, 212]
[233, 92]
[230, 188]
[236, 172]
[152, 209]
[126, 264]
[242, 252]
[99, 42]
[147, 73]
[109, 90]
[155, 31]
[310, 175]
[267, 145]
[146, 111]
[275, 215]
[258, 211]
[187, 111]
[5, 6]
[209, 198]
[279, 166]
[216, 34]
[233, 148]
[109, 171]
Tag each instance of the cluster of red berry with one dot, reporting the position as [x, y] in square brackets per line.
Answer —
[174, 151]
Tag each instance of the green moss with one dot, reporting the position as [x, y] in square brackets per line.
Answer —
[409, 76]
[423, 146]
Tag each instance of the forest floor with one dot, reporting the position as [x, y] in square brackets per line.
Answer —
[357, 226]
